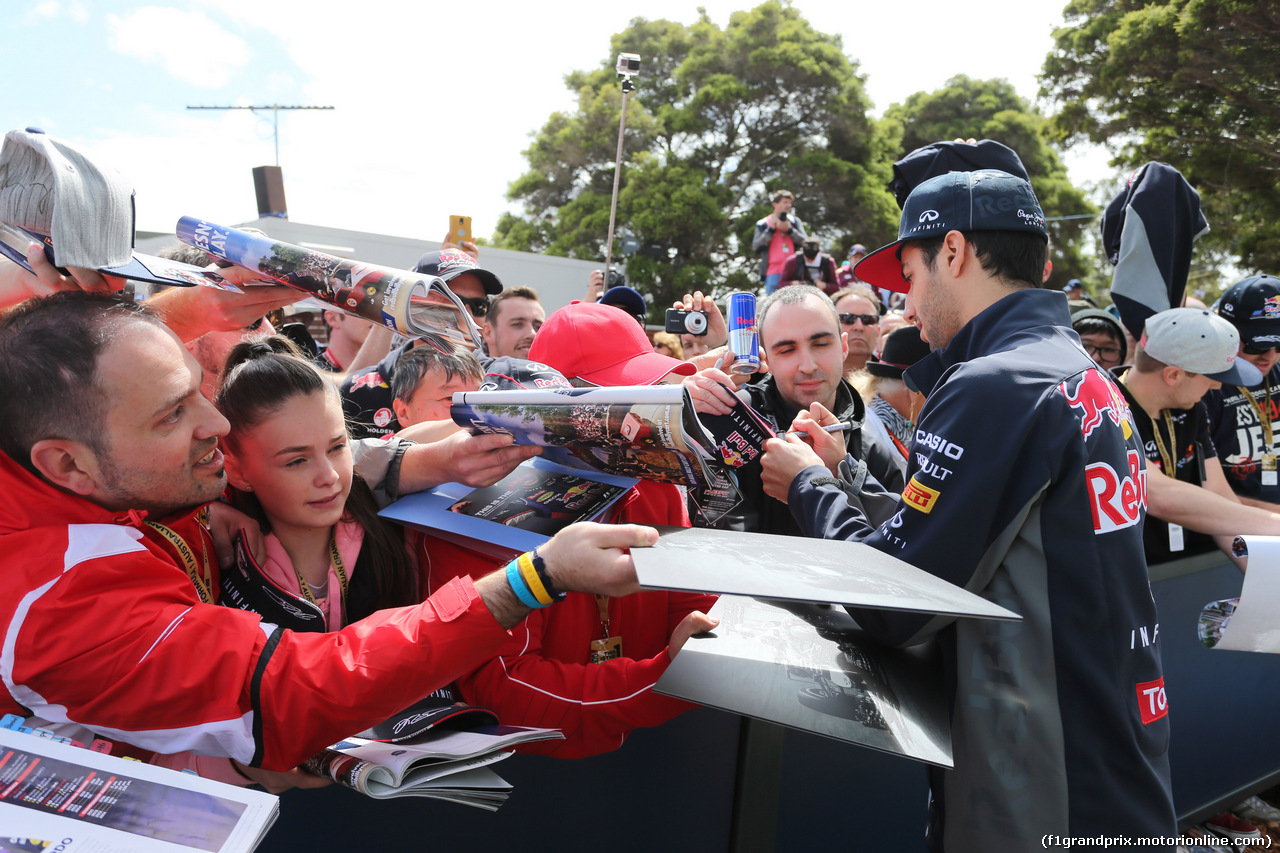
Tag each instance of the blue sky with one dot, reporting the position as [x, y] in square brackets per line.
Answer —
[434, 101]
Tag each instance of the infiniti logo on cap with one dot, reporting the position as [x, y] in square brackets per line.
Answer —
[929, 216]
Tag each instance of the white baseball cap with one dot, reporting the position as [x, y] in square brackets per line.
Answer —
[1198, 341]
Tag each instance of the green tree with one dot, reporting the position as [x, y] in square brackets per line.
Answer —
[1191, 83]
[720, 119]
[992, 109]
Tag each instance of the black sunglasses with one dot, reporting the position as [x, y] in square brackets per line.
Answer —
[477, 305]
[867, 319]
[1253, 349]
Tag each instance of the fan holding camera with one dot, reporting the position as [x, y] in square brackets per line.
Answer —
[778, 237]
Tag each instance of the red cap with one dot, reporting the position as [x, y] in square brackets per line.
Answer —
[603, 345]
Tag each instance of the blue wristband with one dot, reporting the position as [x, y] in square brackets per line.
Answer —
[518, 586]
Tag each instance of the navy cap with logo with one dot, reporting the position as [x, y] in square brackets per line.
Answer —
[946, 156]
[452, 263]
[987, 200]
[1252, 305]
[626, 298]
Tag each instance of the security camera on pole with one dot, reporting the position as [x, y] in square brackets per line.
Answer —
[628, 67]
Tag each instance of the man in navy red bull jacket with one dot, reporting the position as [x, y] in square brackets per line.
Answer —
[1026, 485]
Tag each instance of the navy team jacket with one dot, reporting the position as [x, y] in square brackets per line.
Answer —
[1026, 485]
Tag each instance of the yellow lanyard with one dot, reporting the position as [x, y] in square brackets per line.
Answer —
[339, 568]
[203, 580]
[1263, 418]
[1166, 457]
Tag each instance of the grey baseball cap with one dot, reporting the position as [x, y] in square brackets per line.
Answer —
[54, 189]
[1198, 341]
[80, 210]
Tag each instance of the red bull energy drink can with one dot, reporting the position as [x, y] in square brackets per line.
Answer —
[744, 337]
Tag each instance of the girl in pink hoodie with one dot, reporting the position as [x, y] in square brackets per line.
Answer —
[289, 465]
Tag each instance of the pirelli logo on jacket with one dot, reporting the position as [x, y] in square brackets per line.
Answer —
[919, 496]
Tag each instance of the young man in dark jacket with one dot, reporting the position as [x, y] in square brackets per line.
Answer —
[804, 351]
[1027, 486]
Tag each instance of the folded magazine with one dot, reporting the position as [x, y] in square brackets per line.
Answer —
[416, 306]
[442, 764]
[650, 432]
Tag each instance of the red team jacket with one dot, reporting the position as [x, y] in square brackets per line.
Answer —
[102, 627]
[543, 676]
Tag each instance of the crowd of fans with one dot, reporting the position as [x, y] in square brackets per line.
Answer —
[120, 417]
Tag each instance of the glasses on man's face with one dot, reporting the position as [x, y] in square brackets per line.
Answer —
[477, 305]
[1106, 353]
[1254, 349]
[867, 319]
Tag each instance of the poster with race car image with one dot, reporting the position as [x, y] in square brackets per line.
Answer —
[517, 513]
[413, 305]
[539, 501]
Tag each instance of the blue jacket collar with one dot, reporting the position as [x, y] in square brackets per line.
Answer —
[987, 332]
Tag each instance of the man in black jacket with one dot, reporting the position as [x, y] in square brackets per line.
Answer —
[1026, 486]
[804, 351]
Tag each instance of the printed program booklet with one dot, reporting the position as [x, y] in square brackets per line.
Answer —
[649, 432]
[413, 305]
[806, 666]
[516, 514]
[443, 764]
[96, 803]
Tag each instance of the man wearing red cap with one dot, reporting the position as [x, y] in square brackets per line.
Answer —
[589, 667]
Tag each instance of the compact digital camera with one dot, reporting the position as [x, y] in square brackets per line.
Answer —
[682, 322]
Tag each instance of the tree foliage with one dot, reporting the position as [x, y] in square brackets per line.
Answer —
[992, 109]
[720, 119]
[1189, 82]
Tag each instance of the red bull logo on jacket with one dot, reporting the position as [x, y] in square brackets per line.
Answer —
[1117, 499]
[1097, 396]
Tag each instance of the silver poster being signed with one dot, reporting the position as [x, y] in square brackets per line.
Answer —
[799, 569]
[805, 666]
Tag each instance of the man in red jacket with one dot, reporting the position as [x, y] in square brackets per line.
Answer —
[107, 613]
